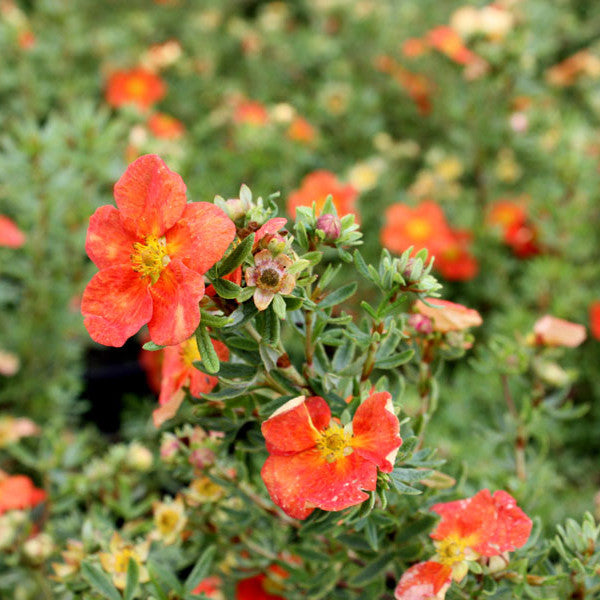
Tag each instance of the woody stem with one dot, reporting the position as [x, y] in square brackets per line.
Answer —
[521, 438]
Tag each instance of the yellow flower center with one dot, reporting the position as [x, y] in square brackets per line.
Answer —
[150, 258]
[450, 551]
[167, 520]
[136, 86]
[418, 229]
[334, 443]
[189, 352]
[122, 559]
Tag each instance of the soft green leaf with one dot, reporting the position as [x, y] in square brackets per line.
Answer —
[99, 581]
[236, 257]
[210, 360]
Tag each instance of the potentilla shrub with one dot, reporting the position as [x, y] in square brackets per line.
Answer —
[288, 467]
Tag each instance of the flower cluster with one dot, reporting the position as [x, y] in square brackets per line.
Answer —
[480, 528]
[425, 226]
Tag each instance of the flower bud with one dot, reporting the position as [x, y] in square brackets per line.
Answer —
[139, 457]
[201, 458]
[420, 323]
[169, 447]
[37, 549]
[331, 226]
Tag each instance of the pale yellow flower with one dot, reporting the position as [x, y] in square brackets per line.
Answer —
[116, 560]
[169, 520]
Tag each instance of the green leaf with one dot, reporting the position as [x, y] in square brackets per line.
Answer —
[339, 295]
[201, 569]
[210, 360]
[229, 370]
[361, 265]
[411, 475]
[373, 569]
[99, 581]
[293, 302]
[371, 535]
[279, 306]
[396, 481]
[236, 257]
[395, 360]
[152, 347]
[226, 289]
[269, 326]
[301, 235]
[246, 294]
[133, 576]
[214, 321]
[165, 575]
[242, 314]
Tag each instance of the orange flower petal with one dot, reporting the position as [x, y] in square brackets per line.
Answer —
[294, 427]
[303, 481]
[169, 409]
[471, 518]
[512, 528]
[108, 243]
[10, 235]
[595, 319]
[201, 236]
[175, 298]
[17, 492]
[376, 431]
[448, 316]
[150, 196]
[115, 304]
[552, 331]
[424, 581]
[269, 228]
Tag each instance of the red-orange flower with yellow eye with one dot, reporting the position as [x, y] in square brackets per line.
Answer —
[518, 233]
[316, 186]
[165, 126]
[300, 130]
[424, 226]
[448, 42]
[152, 252]
[484, 525]
[315, 463]
[10, 235]
[17, 492]
[178, 372]
[136, 86]
[507, 213]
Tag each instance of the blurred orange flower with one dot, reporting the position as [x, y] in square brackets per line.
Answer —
[316, 186]
[10, 235]
[250, 112]
[552, 331]
[300, 130]
[165, 126]
[136, 86]
[595, 319]
[17, 492]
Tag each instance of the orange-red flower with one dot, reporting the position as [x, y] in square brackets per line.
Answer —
[552, 331]
[424, 581]
[18, 492]
[316, 186]
[255, 588]
[315, 463]
[165, 126]
[507, 213]
[518, 233]
[210, 587]
[300, 130]
[453, 259]
[448, 316]
[448, 42]
[424, 226]
[136, 86]
[484, 525]
[152, 252]
[595, 319]
[250, 112]
[10, 235]
[178, 372]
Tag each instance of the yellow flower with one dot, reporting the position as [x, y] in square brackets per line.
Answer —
[116, 561]
[169, 520]
[203, 490]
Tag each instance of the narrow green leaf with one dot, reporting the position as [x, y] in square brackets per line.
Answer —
[236, 257]
[210, 360]
[395, 360]
[229, 370]
[226, 289]
[301, 235]
[133, 576]
[293, 302]
[339, 295]
[215, 321]
[201, 569]
[165, 576]
[99, 581]
[373, 569]
[279, 306]
[361, 265]
[152, 347]
[402, 487]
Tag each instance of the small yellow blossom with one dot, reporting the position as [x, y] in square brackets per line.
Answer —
[169, 520]
[116, 560]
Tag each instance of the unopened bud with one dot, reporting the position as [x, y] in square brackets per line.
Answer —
[420, 323]
[37, 549]
[235, 208]
[331, 226]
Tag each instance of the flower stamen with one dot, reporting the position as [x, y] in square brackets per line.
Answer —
[151, 257]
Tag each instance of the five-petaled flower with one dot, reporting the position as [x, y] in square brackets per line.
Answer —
[316, 463]
[270, 277]
[116, 560]
[137, 86]
[152, 252]
[482, 526]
